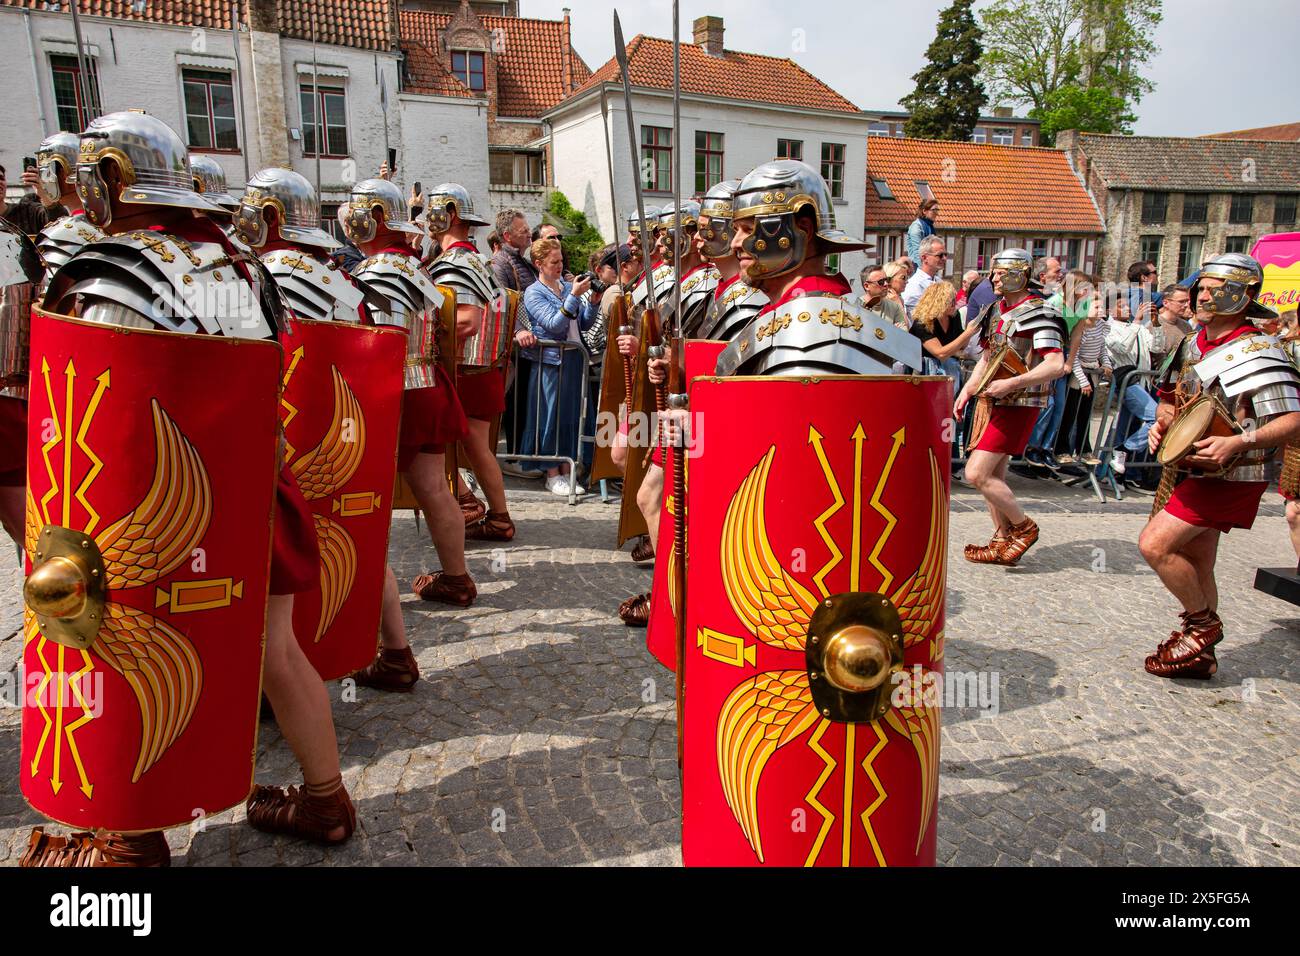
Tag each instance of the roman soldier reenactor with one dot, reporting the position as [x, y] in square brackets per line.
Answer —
[379, 223]
[1023, 340]
[486, 322]
[1229, 398]
[342, 403]
[149, 547]
[813, 614]
[56, 161]
[735, 302]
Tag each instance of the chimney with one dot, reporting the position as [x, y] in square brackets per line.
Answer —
[1002, 112]
[708, 34]
[566, 45]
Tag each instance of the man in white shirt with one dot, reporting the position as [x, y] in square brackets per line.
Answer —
[933, 256]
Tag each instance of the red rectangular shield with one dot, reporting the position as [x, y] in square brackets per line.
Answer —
[342, 406]
[806, 489]
[160, 449]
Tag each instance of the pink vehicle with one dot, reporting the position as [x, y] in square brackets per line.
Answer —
[1279, 254]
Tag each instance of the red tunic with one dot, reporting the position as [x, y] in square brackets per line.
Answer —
[1010, 426]
[835, 285]
[13, 443]
[432, 419]
[1216, 502]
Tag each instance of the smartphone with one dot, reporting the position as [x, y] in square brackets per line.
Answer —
[418, 190]
[392, 159]
[29, 162]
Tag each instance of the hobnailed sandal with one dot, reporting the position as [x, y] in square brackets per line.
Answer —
[96, 850]
[644, 550]
[635, 611]
[494, 526]
[44, 850]
[391, 670]
[990, 553]
[304, 813]
[1202, 667]
[1198, 635]
[470, 507]
[1021, 538]
[457, 589]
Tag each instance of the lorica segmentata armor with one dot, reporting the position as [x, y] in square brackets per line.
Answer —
[1029, 328]
[731, 312]
[414, 304]
[466, 274]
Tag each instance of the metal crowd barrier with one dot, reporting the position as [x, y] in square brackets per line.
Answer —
[536, 403]
[1109, 437]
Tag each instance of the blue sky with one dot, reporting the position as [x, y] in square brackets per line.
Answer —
[1219, 67]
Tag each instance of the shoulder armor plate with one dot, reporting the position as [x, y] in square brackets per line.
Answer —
[60, 240]
[401, 281]
[467, 273]
[170, 283]
[731, 313]
[819, 335]
[313, 289]
[1247, 364]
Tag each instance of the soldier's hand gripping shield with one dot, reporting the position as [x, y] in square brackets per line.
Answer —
[152, 466]
[341, 409]
[815, 621]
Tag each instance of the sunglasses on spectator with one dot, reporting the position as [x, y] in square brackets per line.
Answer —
[937, 255]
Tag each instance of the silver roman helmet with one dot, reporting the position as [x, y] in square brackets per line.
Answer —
[1019, 267]
[151, 158]
[717, 232]
[679, 224]
[1242, 278]
[771, 194]
[210, 180]
[369, 195]
[439, 203]
[56, 161]
[295, 203]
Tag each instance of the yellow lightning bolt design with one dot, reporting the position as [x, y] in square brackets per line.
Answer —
[819, 579]
[291, 411]
[96, 466]
[890, 520]
[74, 686]
[855, 560]
[56, 781]
[70, 373]
[828, 818]
[49, 445]
[867, 761]
[40, 704]
[846, 828]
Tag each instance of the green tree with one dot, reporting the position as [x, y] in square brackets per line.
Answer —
[949, 97]
[1070, 61]
[578, 237]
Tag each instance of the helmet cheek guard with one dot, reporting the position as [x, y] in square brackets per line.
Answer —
[439, 218]
[51, 176]
[93, 193]
[361, 225]
[250, 226]
[1014, 280]
[777, 245]
[717, 238]
[1227, 299]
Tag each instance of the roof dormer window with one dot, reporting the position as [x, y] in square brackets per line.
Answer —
[469, 67]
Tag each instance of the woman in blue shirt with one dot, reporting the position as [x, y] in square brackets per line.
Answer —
[557, 313]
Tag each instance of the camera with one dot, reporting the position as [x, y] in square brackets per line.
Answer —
[597, 286]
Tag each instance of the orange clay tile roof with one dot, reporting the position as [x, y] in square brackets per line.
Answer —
[426, 74]
[1283, 131]
[979, 186]
[530, 65]
[734, 75]
[357, 23]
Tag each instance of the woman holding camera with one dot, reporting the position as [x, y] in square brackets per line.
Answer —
[557, 313]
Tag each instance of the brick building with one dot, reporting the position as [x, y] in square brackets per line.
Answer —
[1176, 201]
[999, 128]
[990, 198]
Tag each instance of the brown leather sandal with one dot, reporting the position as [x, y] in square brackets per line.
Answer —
[457, 589]
[635, 611]
[1202, 667]
[990, 553]
[494, 526]
[296, 812]
[471, 507]
[1192, 641]
[391, 670]
[96, 850]
[1021, 538]
[45, 850]
[644, 550]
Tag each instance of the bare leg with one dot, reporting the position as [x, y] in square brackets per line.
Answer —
[649, 498]
[427, 478]
[392, 628]
[1293, 523]
[11, 511]
[298, 696]
[485, 465]
[987, 471]
[1203, 552]
[1167, 544]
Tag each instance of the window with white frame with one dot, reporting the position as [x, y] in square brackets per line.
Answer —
[69, 97]
[209, 110]
[327, 106]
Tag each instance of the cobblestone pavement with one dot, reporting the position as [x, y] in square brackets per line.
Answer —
[532, 713]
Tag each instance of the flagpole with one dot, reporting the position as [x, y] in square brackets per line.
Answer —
[317, 109]
[239, 84]
[84, 65]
